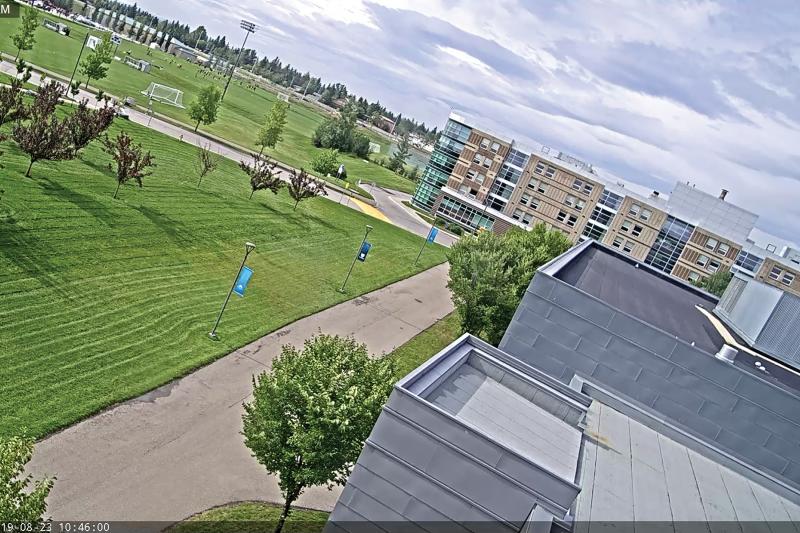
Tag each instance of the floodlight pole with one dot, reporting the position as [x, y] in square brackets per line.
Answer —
[248, 247]
[360, 246]
[248, 27]
[85, 39]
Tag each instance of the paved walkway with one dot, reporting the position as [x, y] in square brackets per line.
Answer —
[177, 450]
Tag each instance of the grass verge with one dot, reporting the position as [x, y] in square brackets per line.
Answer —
[251, 517]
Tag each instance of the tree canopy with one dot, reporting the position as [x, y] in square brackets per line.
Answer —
[270, 133]
[95, 65]
[25, 36]
[716, 283]
[21, 499]
[204, 108]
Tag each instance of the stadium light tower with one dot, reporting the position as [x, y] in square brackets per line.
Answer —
[248, 27]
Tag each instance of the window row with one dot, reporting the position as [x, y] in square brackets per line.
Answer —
[582, 186]
[637, 210]
[566, 218]
[544, 169]
[629, 226]
[482, 160]
[522, 216]
[475, 176]
[715, 246]
[487, 144]
[572, 201]
[779, 274]
[625, 245]
[529, 200]
[712, 265]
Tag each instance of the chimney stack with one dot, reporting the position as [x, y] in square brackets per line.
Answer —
[723, 194]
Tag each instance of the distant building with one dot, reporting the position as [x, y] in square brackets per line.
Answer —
[478, 179]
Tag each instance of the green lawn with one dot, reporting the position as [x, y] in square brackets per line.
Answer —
[426, 344]
[102, 299]
[252, 517]
[240, 116]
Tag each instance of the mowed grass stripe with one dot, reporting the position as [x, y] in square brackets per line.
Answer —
[103, 299]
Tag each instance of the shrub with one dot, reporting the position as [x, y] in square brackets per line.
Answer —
[326, 162]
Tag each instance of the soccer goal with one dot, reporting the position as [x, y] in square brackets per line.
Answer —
[164, 94]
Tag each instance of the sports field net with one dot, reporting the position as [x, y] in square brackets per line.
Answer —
[164, 94]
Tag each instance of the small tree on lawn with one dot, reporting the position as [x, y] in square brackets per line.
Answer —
[132, 162]
[21, 500]
[95, 66]
[85, 125]
[12, 106]
[302, 186]
[270, 133]
[716, 283]
[25, 37]
[262, 174]
[326, 161]
[24, 71]
[42, 135]
[312, 412]
[207, 161]
[204, 108]
[400, 155]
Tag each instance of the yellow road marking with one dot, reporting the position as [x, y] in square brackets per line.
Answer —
[371, 211]
[729, 339]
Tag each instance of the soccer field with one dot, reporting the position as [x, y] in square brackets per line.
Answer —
[103, 299]
[240, 116]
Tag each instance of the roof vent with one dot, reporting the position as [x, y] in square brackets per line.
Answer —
[654, 194]
[723, 193]
[727, 353]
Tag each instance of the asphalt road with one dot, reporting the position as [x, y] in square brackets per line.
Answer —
[177, 450]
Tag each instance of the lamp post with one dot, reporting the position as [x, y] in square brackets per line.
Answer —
[85, 39]
[248, 247]
[358, 251]
[248, 27]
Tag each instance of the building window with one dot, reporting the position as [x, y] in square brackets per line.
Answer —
[646, 214]
[617, 242]
[484, 143]
[487, 162]
[588, 188]
[711, 244]
[517, 215]
[637, 230]
[577, 184]
[723, 248]
[542, 188]
[495, 147]
[628, 248]
[694, 277]
[572, 220]
[626, 225]
[525, 199]
[570, 200]
[472, 174]
[480, 177]
[787, 278]
[749, 262]
[526, 218]
[713, 265]
[634, 210]
[702, 260]
[478, 158]
[534, 203]
[610, 200]
[562, 216]
[533, 184]
[775, 273]
[579, 205]
[594, 231]
[540, 168]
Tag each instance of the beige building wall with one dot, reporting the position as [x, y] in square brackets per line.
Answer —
[635, 227]
[780, 276]
[478, 164]
[705, 254]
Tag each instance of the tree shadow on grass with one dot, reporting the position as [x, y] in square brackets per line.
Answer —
[176, 231]
[20, 247]
[84, 202]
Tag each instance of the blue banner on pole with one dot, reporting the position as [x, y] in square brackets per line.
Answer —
[362, 254]
[244, 279]
[432, 235]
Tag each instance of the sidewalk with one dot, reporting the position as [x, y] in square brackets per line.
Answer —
[177, 450]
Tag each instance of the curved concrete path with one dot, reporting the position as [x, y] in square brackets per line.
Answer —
[177, 450]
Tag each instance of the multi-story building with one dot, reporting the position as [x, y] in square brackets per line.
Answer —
[483, 181]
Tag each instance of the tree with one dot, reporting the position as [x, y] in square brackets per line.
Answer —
[12, 106]
[42, 135]
[85, 125]
[489, 274]
[207, 161]
[401, 153]
[204, 108]
[262, 174]
[21, 500]
[716, 283]
[326, 161]
[302, 186]
[270, 133]
[95, 65]
[312, 412]
[132, 162]
[360, 145]
[25, 37]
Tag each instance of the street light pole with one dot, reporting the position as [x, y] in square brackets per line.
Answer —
[358, 251]
[85, 39]
[248, 247]
[248, 27]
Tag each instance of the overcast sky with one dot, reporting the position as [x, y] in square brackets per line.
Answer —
[707, 92]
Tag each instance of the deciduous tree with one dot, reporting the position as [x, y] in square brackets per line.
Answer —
[716, 283]
[207, 161]
[95, 65]
[133, 163]
[12, 106]
[262, 174]
[302, 186]
[204, 108]
[270, 133]
[489, 274]
[326, 161]
[401, 153]
[42, 135]
[85, 125]
[25, 36]
[312, 412]
[21, 499]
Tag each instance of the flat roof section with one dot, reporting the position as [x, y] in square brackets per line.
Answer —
[645, 294]
[633, 473]
[474, 397]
